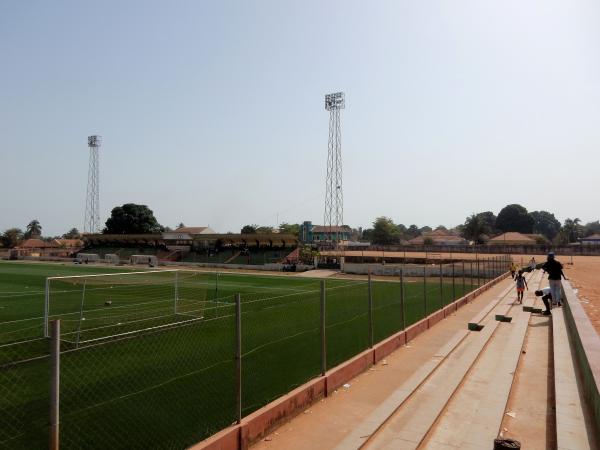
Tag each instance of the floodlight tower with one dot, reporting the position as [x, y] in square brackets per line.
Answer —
[334, 196]
[91, 223]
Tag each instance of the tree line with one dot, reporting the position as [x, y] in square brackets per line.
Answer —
[480, 227]
[132, 218]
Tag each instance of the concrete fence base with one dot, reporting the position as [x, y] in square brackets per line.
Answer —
[261, 422]
[586, 344]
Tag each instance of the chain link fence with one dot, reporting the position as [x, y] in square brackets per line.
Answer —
[195, 356]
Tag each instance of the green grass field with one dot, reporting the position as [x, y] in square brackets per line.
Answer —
[154, 368]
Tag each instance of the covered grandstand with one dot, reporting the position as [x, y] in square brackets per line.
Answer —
[206, 248]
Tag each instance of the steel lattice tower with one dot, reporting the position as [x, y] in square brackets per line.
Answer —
[334, 196]
[91, 223]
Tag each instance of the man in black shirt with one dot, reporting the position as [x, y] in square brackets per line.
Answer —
[555, 272]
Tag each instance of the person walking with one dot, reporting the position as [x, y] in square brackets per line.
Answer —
[532, 264]
[513, 269]
[554, 269]
[521, 285]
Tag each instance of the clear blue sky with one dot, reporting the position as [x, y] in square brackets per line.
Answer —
[212, 112]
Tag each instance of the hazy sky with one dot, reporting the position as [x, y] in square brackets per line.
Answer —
[212, 112]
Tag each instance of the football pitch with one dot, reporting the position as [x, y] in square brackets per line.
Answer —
[148, 358]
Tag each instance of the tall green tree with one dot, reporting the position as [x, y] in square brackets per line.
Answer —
[385, 232]
[249, 229]
[290, 228]
[475, 228]
[489, 218]
[412, 231]
[545, 223]
[591, 228]
[264, 230]
[570, 231]
[73, 233]
[11, 237]
[514, 218]
[132, 219]
[33, 229]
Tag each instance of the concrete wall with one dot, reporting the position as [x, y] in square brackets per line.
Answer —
[268, 267]
[413, 270]
[586, 344]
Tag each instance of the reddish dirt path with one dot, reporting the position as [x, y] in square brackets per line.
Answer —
[585, 276]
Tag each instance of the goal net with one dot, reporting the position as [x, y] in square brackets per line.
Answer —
[98, 307]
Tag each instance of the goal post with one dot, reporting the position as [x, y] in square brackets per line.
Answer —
[101, 306]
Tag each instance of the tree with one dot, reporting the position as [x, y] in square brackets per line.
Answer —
[181, 225]
[249, 229]
[412, 231]
[385, 232]
[425, 229]
[570, 231]
[591, 228]
[489, 218]
[11, 237]
[367, 234]
[290, 228]
[545, 223]
[73, 233]
[514, 218]
[132, 219]
[475, 228]
[264, 230]
[33, 229]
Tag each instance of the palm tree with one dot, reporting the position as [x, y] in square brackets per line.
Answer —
[571, 230]
[34, 228]
[474, 228]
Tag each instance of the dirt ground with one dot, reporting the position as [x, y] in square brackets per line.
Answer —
[585, 276]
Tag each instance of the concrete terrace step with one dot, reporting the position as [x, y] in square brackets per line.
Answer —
[475, 323]
[571, 429]
[370, 425]
[473, 417]
[413, 419]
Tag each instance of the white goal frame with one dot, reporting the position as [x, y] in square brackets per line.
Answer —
[49, 280]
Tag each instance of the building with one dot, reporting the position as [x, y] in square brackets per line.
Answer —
[314, 234]
[59, 248]
[183, 237]
[594, 239]
[439, 237]
[512, 238]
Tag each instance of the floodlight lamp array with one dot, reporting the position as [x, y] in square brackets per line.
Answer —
[335, 101]
[94, 141]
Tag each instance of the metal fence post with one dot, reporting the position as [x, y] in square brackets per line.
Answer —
[441, 286]
[402, 307]
[176, 299]
[370, 312]
[478, 278]
[78, 337]
[47, 308]
[463, 276]
[238, 358]
[323, 336]
[425, 289]
[55, 384]
[453, 284]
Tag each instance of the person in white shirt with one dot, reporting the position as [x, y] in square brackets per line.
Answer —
[546, 295]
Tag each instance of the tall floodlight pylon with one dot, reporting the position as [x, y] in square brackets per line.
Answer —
[91, 223]
[334, 196]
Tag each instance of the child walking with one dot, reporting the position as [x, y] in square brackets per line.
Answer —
[521, 285]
